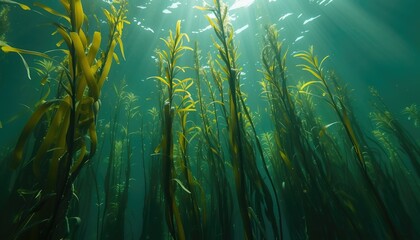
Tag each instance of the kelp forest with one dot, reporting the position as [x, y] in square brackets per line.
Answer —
[203, 161]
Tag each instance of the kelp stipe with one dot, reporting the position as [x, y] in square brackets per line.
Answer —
[154, 226]
[118, 170]
[64, 148]
[176, 91]
[401, 180]
[340, 105]
[389, 124]
[292, 156]
[211, 149]
[257, 198]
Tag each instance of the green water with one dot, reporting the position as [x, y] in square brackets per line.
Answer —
[338, 158]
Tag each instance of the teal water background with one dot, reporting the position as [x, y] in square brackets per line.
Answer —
[370, 43]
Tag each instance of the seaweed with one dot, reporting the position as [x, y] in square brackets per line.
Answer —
[204, 162]
[64, 147]
[173, 85]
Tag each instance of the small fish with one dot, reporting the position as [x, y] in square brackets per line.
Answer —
[1, 125]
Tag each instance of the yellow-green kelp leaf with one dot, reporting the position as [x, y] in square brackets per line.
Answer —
[7, 48]
[50, 138]
[23, 6]
[309, 83]
[324, 128]
[203, 8]
[79, 159]
[60, 146]
[181, 185]
[52, 11]
[107, 65]
[64, 34]
[17, 153]
[93, 139]
[77, 15]
[120, 43]
[83, 63]
[93, 50]
[161, 79]
[66, 5]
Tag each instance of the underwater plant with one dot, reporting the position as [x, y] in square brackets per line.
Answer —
[4, 22]
[118, 169]
[7, 49]
[413, 114]
[153, 227]
[367, 163]
[174, 88]
[4, 28]
[210, 149]
[253, 196]
[69, 138]
[201, 160]
[21, 5]
[390, 126]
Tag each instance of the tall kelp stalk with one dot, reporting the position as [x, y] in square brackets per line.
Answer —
[110, 200]
[252, 192]
[335, 171]
[69, 138]
[87, 205]
[211, 152]
[339, 103]
[295, 162]
[118, 171]
[194, 199]
[153, 227]
[385, 120]
[386, 181]
[401, 183]
[179, 102]
[312, 163]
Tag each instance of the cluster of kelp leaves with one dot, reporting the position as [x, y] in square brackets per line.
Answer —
[209, 172]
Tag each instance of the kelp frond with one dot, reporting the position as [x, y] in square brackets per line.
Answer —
[21, 5]
[176, 89]
[70, 139]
